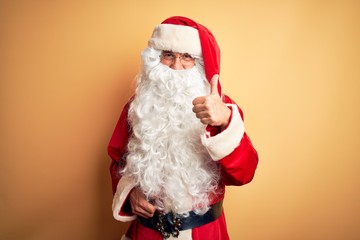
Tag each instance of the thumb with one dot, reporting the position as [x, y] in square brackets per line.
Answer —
[214, 85]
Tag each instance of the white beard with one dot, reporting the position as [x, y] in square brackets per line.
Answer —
[165, 153]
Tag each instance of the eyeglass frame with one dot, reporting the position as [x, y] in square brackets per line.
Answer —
[181, 56]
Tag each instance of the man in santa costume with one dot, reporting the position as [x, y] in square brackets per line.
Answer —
[179, 141]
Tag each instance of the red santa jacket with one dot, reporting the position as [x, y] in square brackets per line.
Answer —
[231, 148]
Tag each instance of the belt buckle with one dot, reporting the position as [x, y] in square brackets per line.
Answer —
[175, 225]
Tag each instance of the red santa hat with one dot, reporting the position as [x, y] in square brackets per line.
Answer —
[181, 34]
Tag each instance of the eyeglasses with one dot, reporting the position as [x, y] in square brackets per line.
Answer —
[170, 56]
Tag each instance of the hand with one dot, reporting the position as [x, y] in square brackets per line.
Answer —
[139, 205]
[211, 109]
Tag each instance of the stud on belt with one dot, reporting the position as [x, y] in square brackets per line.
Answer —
[171, 224]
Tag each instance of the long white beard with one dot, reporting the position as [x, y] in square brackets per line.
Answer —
[165, 153]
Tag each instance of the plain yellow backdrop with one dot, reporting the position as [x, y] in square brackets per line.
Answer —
[67, 68]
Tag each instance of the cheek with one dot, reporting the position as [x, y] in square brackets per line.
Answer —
[167, 63]
[189, 66]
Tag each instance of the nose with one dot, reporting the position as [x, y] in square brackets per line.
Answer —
[176, 65]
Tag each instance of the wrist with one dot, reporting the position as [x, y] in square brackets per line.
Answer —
[227, 118]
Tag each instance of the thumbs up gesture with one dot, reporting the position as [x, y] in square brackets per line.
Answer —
[211, 109]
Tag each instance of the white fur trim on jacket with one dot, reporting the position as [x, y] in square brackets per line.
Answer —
[224, 143]
[177, 38]
[125, 185]
[184, 235]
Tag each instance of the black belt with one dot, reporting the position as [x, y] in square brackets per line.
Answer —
[170, 223]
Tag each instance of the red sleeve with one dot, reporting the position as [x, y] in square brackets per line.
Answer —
[117, 146]
[238, 168]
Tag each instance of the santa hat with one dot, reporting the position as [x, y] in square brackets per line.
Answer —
[181, 34]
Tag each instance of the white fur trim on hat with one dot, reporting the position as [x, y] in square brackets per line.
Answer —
[224, 143]
[176, 38]
[125, 185]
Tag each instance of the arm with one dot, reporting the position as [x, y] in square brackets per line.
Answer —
[128, 201]
[121, 186]
[117, 147]
[225, 139]
[232, 148]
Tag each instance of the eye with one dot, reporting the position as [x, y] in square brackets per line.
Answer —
[187, 57]
[167, 55]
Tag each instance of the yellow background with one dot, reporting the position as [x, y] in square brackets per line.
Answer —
[67, 68]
